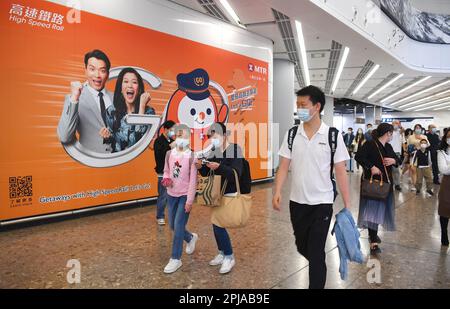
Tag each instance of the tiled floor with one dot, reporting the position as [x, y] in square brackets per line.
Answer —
[126, 249]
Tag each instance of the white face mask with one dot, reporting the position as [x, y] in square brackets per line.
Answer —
[304, 114]
[423, 146]
[215, 142]
[182, 142]
[448, 142]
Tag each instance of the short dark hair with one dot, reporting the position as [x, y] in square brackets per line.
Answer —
[168, 124]
[350, 129]
[369, 124]
[219, 128]
[315, 95]
[98, 54]
[418, 125]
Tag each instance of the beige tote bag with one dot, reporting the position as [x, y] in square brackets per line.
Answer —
[233, 212]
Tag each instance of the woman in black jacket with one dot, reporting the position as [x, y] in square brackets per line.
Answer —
[372, 213]
[224, 159]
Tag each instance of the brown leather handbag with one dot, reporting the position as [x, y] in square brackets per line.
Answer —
[376, 189]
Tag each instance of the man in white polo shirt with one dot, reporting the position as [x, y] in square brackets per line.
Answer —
[312, 194]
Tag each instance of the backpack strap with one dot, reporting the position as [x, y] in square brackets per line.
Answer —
[332, 141]
[291, 136]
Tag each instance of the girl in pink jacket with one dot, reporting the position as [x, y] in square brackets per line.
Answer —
[180, 178]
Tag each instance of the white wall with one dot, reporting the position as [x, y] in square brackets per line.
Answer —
[284, 102]
[343, 122]
[441, 118]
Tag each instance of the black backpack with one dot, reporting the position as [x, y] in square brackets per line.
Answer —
[246, 179]
[332, 141]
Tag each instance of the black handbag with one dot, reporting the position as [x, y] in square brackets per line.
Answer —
[376, 189]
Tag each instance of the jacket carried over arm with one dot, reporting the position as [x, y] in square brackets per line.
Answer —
[347, 237]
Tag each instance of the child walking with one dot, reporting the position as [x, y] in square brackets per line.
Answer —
[180, 178]
[422, 160]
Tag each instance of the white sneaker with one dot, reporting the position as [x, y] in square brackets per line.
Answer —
[172, 266]
[190, 247]
[227, 265]
[218, 260]
[161, 221]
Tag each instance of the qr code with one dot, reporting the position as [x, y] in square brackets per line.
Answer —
[20, 186]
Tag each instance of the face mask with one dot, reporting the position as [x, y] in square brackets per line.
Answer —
[396, 128]
[369, 130]
[350, 132]
[304, 114]
[423, 146]
[215, 142]
[448, 142]
[182, 142]
[434, 130]
[171, 134]
[418, 131]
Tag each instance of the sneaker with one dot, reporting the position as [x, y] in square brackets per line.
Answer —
[161, 221]
[413, 189]
[227, 265]
[398, 188]
[430, 192]
[172, 266]
[218, 260]
[190, 247]
[417, 192]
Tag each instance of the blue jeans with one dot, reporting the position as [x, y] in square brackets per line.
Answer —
[223, 240]
[178, 219]
[162, 200]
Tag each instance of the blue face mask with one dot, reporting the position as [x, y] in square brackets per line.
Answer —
[434, 130]
[171, 134]
[304, 114]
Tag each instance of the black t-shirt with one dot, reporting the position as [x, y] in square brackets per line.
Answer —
[161, 146]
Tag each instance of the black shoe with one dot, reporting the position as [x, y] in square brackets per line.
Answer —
[398, 188]
[378, 240]
[375, 249]
[437, 182]
[417, 192]
[444, 242]
[430, 192]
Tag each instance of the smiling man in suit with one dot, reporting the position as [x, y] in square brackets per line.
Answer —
[85, 108]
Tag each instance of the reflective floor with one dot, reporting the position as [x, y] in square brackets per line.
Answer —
[127, 249]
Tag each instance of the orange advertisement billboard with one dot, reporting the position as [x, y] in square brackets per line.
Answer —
[53, 156]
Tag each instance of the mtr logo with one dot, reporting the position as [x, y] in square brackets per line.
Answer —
[257, 69]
